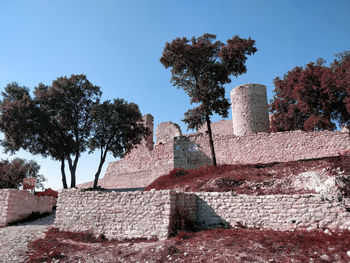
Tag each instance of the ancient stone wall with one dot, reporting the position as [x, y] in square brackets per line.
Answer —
[4, 196]
[277, 212]
[140, 167]
[145, 163]
[16, 205]
[193, 150]
[166, 131]
[117, 215]
[249, 109]
[158, 213]
[222, 127]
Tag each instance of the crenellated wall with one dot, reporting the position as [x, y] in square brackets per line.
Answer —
[16, 205]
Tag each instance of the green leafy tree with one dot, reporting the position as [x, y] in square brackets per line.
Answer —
[201, 67]
[316, 97]
[117, 128]
[13, 172]
[69, 102]
[55, 123]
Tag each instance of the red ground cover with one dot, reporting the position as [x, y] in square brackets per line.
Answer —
[219, 245]
[244, 179]
[58, 244]
[48, 192]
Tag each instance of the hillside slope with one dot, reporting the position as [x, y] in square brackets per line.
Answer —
[328, 176]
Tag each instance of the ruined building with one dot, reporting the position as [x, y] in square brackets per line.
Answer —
[245, 139]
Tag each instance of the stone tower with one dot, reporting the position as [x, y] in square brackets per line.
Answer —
[249, 109]
[148, 122]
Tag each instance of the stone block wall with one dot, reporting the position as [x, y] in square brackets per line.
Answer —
[194, 150]
[140, 167]
[4, 196]
[158, 213]
[277, 212]
[16, 205]
[166, 131]
[223, 127]
[117, 215]
[143, 165]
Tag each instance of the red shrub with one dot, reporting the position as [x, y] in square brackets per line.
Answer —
[48, 192]
[177, 172]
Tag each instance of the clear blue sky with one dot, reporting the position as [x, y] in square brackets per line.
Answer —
[117, 44]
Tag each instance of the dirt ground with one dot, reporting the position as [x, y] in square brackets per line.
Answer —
[219, 245]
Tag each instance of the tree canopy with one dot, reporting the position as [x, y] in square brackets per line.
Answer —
[316, 97]
[56, 122]
[117, 128]
[65, 119]
[13, 172]
[201, 66]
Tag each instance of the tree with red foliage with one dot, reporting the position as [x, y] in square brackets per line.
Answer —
[13, 172]
[316, 97]
[201, 67]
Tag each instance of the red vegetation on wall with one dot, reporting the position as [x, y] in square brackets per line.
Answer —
[244, 179]
[48, 192]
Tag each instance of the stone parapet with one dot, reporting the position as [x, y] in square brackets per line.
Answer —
[16, 205]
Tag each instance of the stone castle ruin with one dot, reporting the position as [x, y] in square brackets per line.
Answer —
[245, 140]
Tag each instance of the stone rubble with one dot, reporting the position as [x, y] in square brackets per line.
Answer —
[14, 239]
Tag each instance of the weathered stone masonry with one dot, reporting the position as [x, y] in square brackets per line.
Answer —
[16, 205]
[151, 214]
[244, 140]
[249, 109]
[277, 212]
[120, 215]
[193, 150]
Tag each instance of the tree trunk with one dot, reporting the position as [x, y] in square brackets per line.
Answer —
[64, 180]
[72, 169]
[211, 143]
[102, 161]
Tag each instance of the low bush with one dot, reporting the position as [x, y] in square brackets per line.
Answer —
[177, 172]
[48, 192]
